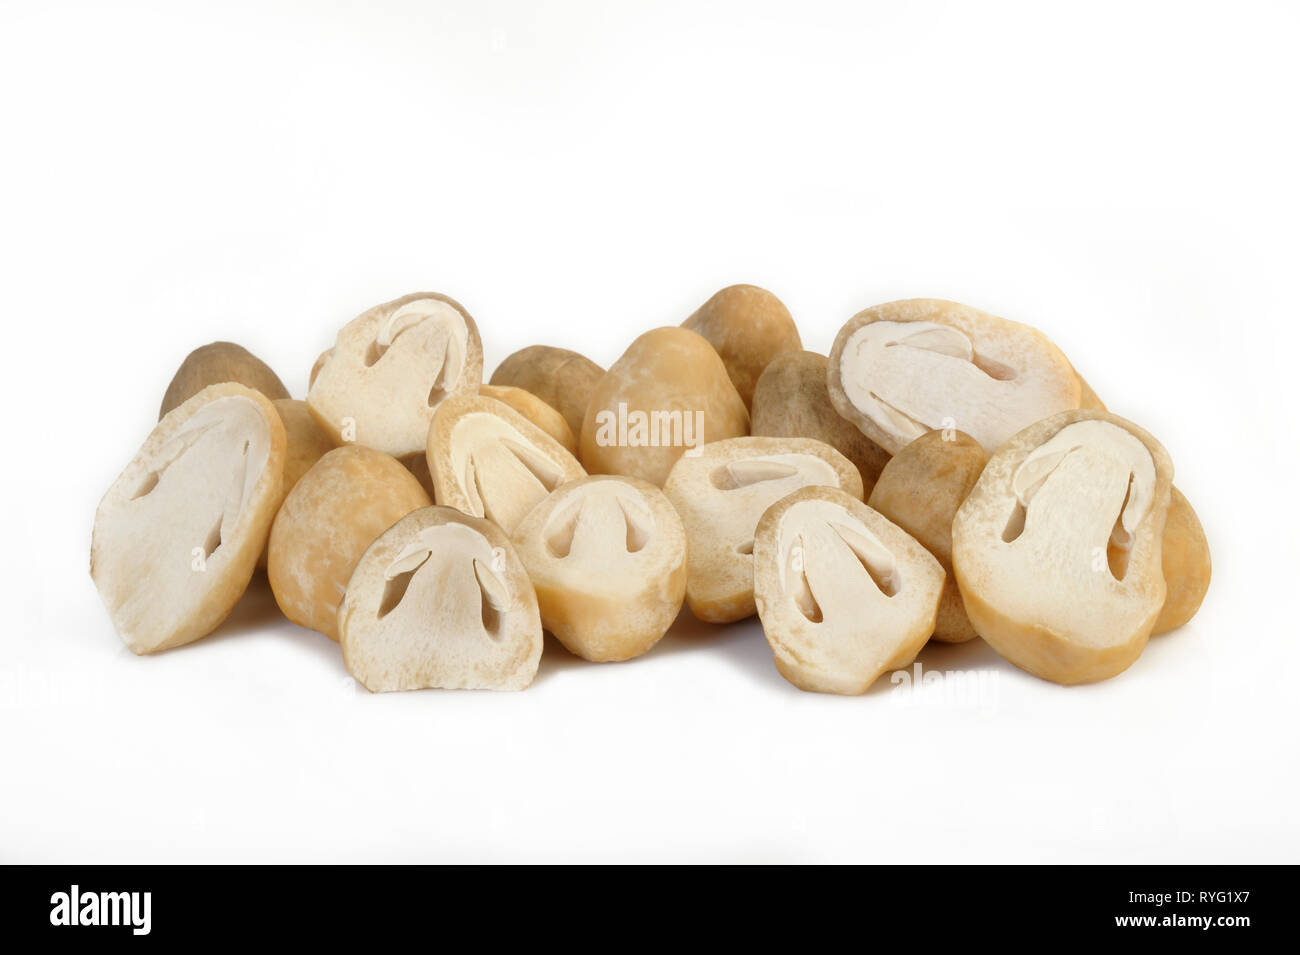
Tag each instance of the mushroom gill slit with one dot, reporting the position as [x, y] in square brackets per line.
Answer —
[735, 475]
[898, 415]
[561, 530]
[147, 484]
[639, 530]
[493, 599]
[994, 369]
[395, 589]
[1015, 523]
[879, 564]
[213, 540]
[800, 590]
[379, 348]
[1117, 554]
[545, 471]
[439, 388]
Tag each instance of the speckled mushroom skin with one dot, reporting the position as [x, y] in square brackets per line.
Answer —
[347, 499]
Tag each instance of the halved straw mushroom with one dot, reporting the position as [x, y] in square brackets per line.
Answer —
[721, 490]
[843, 594]
[488, 460]
[1184, 551]
[178, 534]
[905, 368]
[440, 599]
[920, 490]
[535, 410]
[391, 367]
[1057, 549]
[344, 501]
[607, 556]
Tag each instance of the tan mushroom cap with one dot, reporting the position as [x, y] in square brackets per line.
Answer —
[178, 534]
[488, 460]
[562, 378]
[902, 369]
[535, 410]
[791, 401]
[347, 499]
[721, 490]
[391, 367]
[305, 444]
[219, 362]
[440, 599]
[607, 556]
[843, 594]
[1185, 562]
[920, 490]
[1057, 548]
[667, 392]
[749, 327]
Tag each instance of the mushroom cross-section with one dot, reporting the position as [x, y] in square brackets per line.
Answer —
[721, 490]
[1057, 549]
[440, 599]
[905, 368]
[391, 367]
[178, 534]
[487, 460]
[607, 556]
[843, 594]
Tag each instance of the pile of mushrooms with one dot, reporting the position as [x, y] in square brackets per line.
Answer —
[942, 474]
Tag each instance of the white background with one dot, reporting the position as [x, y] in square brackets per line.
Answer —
[1122, 176]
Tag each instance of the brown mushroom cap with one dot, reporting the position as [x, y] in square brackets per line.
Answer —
[791, 401]
[344, 501]
[305, 444]
[667, 392]
[215, 363]
[562, 378]
[178, 534]
[920, 490]
[1185, 562]
[749, 327]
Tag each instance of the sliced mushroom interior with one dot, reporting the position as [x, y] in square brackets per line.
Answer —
[721, 490]
[391, 367]
[488, 461]
[178, 534]
[843, 594]
[440, 600]
[1057, 550]
[607, 556]
[903, 369]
